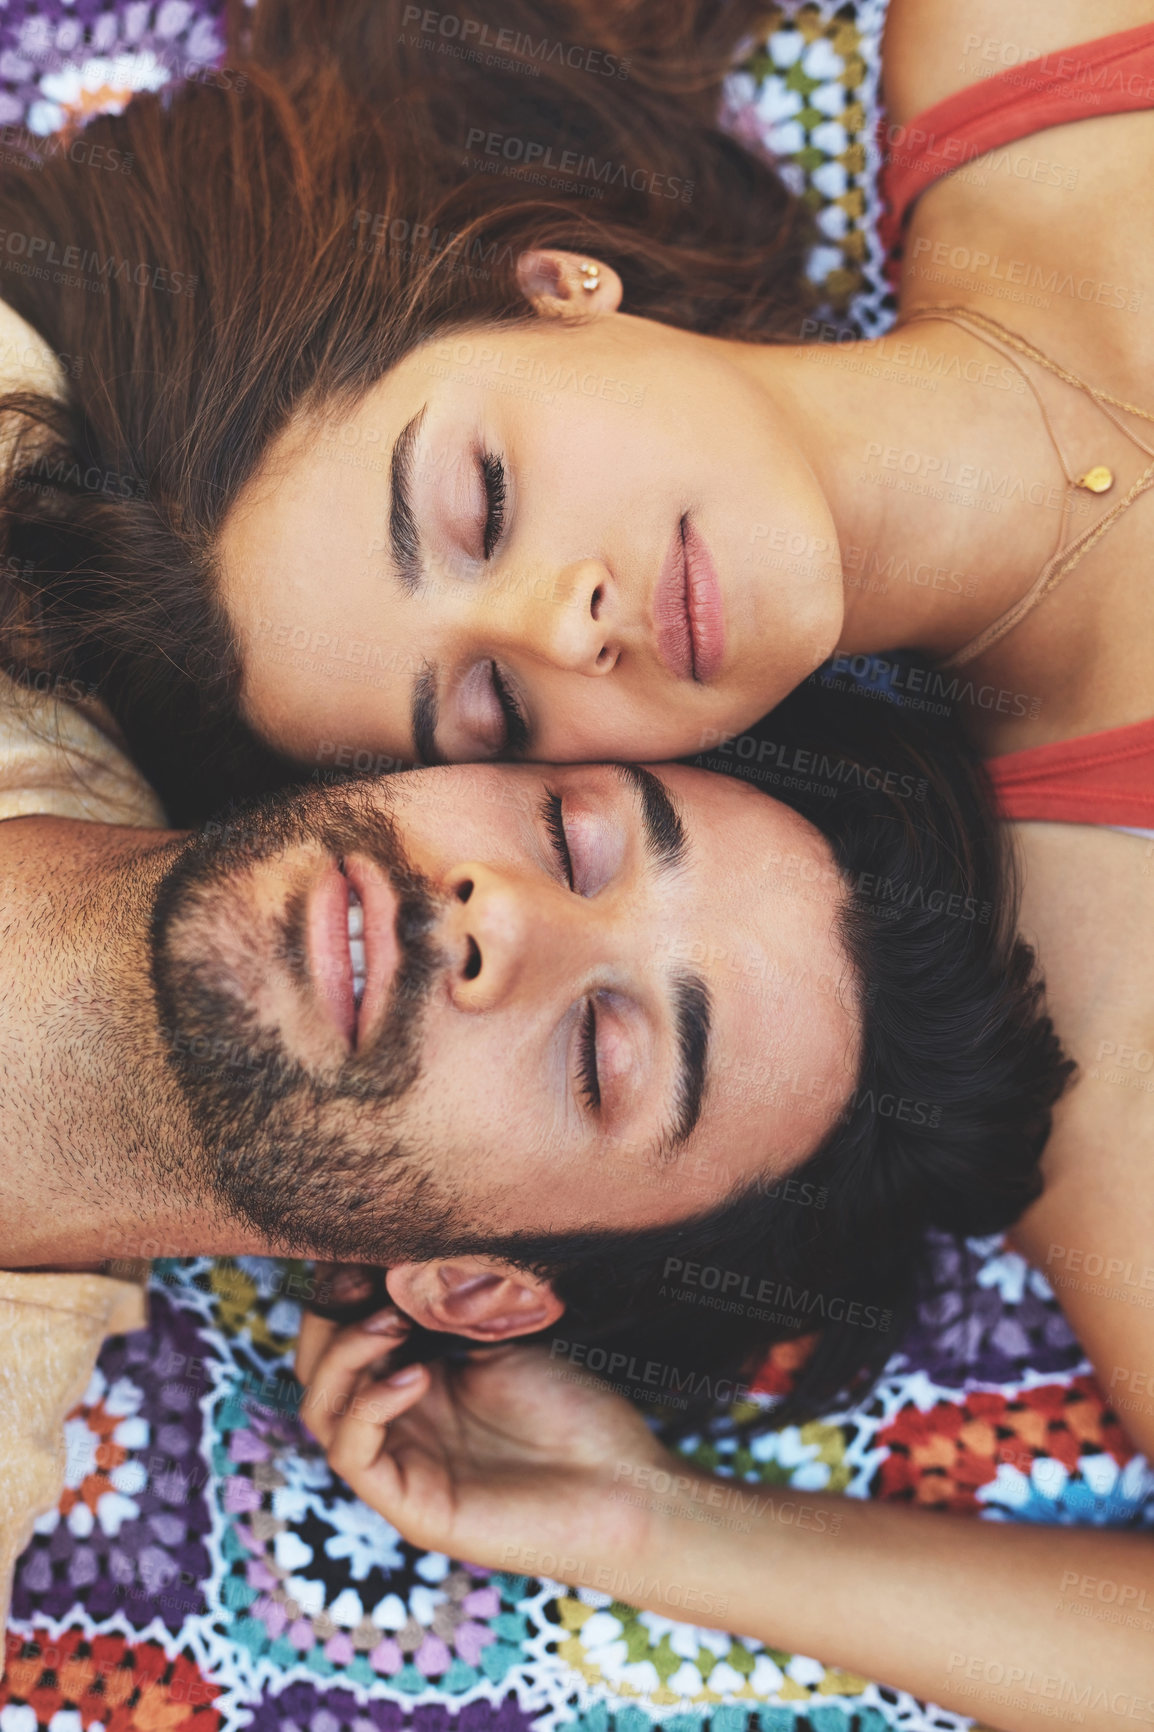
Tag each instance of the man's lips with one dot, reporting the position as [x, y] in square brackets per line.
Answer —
[329, 957]
[687, 606]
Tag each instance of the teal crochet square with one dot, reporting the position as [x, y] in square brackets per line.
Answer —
[249, 1632]
[458, 1678]
[497, 1658]
[828, 1717]
[776, 1718]
[730, 1718]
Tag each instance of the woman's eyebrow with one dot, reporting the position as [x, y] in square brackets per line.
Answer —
[404, 537]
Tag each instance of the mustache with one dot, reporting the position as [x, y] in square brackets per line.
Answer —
[390, 1065]
[192, 992]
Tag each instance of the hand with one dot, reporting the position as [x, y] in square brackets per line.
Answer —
[495, 1460]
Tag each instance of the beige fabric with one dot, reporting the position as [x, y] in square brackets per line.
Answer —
[26, 361]
[51, 1328]
[54, 761]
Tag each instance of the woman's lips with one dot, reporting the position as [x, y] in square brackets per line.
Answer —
[706, 615]
[687, 607]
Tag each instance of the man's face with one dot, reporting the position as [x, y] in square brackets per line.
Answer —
[521, 998]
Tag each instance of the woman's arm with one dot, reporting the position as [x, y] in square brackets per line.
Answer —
[504, 1464]
[1088, 910]
[986, 1618]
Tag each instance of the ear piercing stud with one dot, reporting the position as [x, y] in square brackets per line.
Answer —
[591, 277]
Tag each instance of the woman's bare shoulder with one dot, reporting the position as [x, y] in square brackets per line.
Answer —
[1088, 907]
[1091, 1234]
[934, 48]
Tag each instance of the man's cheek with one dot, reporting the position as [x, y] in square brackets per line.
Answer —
[472, 1100]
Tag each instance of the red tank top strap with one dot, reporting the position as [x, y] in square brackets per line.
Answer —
[1104, 778]
[1111, 75]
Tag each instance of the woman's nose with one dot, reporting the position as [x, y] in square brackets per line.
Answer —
[572, 620]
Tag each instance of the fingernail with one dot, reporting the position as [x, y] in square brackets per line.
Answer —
[400, 1379]
[388, 1322]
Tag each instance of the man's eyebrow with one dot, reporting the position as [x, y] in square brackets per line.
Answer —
[404, 537]
[424, 716]
[691, 1014]
[667, 845]
[665, 838]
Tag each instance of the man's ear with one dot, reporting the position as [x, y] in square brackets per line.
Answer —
[477, 1296]
[568, 286]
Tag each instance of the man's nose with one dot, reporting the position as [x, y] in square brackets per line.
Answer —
[508, 935]
[571, 619]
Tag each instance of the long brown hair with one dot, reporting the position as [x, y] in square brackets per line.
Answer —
[290, 228]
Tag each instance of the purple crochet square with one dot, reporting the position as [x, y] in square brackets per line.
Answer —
[156, 1562]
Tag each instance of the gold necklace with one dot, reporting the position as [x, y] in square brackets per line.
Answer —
[1097, 479]
[1100, 477]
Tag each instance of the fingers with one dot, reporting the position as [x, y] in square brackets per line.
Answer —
[336, 1284]
[316, 1333]
[334, 1362]
[359, 1442]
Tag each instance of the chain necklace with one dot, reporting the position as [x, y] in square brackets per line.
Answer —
[1097, 479]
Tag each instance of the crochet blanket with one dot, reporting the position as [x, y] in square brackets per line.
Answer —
[206, 1570]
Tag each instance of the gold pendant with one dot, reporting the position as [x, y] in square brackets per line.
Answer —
[1097, 480]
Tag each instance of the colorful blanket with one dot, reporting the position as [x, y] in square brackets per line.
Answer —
[206, 1570]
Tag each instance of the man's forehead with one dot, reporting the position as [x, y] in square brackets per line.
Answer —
[493, 786]
[467, 787]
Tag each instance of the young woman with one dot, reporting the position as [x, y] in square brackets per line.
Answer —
[439, 463]
[279, 247]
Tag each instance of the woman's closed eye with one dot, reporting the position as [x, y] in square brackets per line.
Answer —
[492, 472]
[489, 713]
[516, 728]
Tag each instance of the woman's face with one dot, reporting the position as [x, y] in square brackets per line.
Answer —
[565, 541]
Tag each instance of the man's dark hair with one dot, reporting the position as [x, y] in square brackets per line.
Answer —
[945, 1126]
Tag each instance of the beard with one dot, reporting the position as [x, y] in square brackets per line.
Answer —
[313, 1162]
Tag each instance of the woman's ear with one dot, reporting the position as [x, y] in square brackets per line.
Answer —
[476, 1296]
[568, 286]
